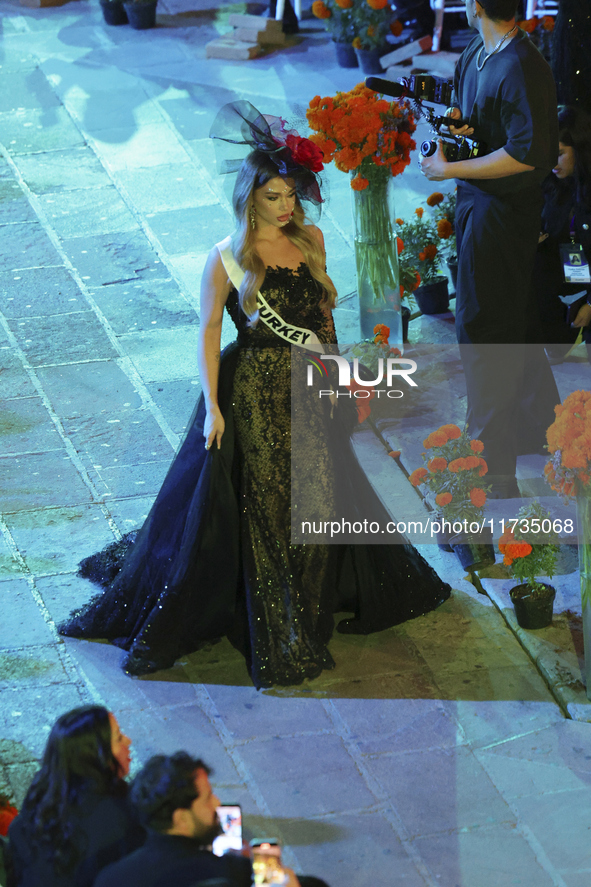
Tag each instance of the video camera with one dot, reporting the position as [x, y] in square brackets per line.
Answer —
[421, 88]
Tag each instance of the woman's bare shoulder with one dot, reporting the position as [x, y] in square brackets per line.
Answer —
[316, 234]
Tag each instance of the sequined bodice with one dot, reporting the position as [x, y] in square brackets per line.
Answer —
[295, 296]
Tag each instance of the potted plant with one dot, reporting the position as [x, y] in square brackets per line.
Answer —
[141, 13]
[114, 12]
[453, 473]
[372, 20]
[445, 219]
[422, 249]
[530, 553]
[569, 473]
[338, 18]
[369, 137]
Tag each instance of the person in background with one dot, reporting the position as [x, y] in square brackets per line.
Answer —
[75, 818]
[176, 803]
[566, 219]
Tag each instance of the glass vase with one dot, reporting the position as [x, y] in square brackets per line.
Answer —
[584, 536]
[376, 254]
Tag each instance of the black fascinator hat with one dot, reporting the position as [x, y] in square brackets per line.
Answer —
[239, 124]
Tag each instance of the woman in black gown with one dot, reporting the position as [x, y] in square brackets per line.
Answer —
[214, 557]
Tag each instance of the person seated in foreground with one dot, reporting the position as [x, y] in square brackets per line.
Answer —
[176, 803]
[76, 817]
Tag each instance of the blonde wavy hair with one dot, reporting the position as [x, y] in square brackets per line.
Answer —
[256, 170]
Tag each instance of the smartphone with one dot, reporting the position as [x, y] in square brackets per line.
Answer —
[266, 862]
[230, 817]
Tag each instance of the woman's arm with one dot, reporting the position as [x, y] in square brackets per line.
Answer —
[215, 288]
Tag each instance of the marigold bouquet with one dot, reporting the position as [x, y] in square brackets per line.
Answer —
[527, 561]
[569, 443]
[454, 472]
[361, 131]
[370, 137]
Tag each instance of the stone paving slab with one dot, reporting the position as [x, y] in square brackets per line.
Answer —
[70, 169]
[35, 292]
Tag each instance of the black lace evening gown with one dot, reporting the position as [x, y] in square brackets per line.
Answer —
[214, 556]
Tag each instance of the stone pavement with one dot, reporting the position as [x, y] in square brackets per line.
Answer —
[435, 753]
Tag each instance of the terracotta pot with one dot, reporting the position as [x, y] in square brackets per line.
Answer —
[533, 609]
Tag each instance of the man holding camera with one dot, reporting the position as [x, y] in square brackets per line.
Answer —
[505, 91]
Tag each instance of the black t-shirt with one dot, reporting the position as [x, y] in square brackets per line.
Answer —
[511, 103]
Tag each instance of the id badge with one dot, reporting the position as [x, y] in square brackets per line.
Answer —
[574, 263]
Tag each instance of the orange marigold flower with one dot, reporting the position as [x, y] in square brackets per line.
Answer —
[320, 9]
[435, 439]
[437, 464]
[548, 23]
[359, 183]
[471, 462]
[477, 497]
[344, 4]
[444, 229]
[434, 199]
[476, 446]
[419, 212]
[396, 28]
[416, 478]
[400, 221]
[451, 431]
[457, 465]
[399, 244]
[514, 550]
[483, 467]
[395, 454]
[377, 4]
[443, 499]
[430, 252]
[528, 25]
[505, 539]
[422, 256]
[356, 43]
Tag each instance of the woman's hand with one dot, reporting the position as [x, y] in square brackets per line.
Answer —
[583, 317]
[213, 427]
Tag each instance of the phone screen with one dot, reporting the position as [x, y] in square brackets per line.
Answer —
[230, 817]
[266, 863]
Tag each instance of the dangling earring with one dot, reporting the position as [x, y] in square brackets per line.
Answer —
[252, 220]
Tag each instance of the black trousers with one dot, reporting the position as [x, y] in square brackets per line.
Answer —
[510, 386]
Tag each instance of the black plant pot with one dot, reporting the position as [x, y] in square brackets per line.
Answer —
[474, 551]
[405, 311]
[533, 609]
[142, 14]
[369, 60]
[432, 297]
[346, 55]
[114, 12]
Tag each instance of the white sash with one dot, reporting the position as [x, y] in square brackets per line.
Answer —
[293, 335]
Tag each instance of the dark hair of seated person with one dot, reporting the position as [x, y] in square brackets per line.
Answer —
[165, 784]
[574, 130]
[59, 823]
